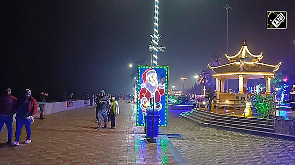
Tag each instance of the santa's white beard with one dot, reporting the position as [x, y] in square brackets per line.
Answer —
[151, 88]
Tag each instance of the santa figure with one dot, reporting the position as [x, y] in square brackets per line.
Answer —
[151, 89]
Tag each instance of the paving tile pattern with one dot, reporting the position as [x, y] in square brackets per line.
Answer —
[203, 145]
[71, 137]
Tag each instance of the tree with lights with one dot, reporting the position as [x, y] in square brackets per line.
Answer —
[280, 85]
[204, 78]
[263, 105]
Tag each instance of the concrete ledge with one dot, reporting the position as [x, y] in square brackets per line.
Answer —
[60, 106]
[64, 106]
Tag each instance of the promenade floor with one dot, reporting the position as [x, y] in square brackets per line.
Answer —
[71, 137]
[204, 145]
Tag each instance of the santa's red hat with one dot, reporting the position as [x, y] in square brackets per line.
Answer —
[148, 72]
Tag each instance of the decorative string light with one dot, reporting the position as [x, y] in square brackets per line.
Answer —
[154, 46]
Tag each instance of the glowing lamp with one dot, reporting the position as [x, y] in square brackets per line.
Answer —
[247, 111]
[285, 79]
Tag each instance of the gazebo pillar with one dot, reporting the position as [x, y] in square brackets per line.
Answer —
[245, 85]
[267, 84]
[222, 85]
[241, 83]
[217, 85]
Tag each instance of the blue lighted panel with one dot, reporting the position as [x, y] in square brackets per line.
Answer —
[162, 72]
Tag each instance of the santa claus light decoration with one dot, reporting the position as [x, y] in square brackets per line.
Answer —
[152, 87]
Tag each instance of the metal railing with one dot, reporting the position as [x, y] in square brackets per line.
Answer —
[226, 107]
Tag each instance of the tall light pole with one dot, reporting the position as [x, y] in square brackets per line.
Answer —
[183, 78]
[154, 46]
[132, 79]
[227, 7]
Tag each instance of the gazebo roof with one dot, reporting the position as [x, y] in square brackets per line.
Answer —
[245, 62]
[244, 55]
[244, 66]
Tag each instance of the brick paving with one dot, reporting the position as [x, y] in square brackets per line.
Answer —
[203, 145]
[71, 137]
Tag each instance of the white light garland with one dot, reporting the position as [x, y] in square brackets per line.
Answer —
[154, 46]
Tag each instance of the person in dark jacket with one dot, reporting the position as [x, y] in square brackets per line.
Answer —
[210, 97]
[8, 105]
[102, 109]
[42, 103]
[25, 116]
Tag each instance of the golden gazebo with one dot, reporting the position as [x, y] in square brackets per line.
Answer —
[242, 66]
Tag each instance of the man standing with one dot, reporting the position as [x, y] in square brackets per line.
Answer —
[25, 116]
[102, 109]
[7, 110]
[42, 104]
[114, 109]
[210, 96]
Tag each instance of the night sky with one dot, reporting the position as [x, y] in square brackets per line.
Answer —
[82, 46]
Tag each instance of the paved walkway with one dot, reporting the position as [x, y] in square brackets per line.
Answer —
[203, 145]
[71, 137]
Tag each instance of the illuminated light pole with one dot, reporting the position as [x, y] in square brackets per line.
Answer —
[183, 78]
[154, 46]
[132, 79]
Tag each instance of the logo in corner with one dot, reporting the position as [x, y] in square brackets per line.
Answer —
[276, 20]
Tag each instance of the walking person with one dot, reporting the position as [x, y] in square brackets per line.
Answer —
[102, 109]
[210, 96]
[25, 116]
[8, 105]
[42, 103]
[114, 109]
[110, 98]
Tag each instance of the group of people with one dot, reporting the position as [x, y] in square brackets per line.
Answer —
[107, 109]
[25, 109]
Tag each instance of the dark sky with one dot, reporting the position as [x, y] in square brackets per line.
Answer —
[82, 46]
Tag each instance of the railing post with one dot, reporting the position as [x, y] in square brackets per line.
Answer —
[216, 105]
[224, 108]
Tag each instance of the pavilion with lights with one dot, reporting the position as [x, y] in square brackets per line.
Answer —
[242, 66]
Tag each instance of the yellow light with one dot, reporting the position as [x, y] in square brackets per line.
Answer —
[243, 50]
[244, 73]
[247, 111]
[183, 78]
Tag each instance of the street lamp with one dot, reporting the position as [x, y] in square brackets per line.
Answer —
[183, 78]
[196, 77]
[130, 65]
[173, 87]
